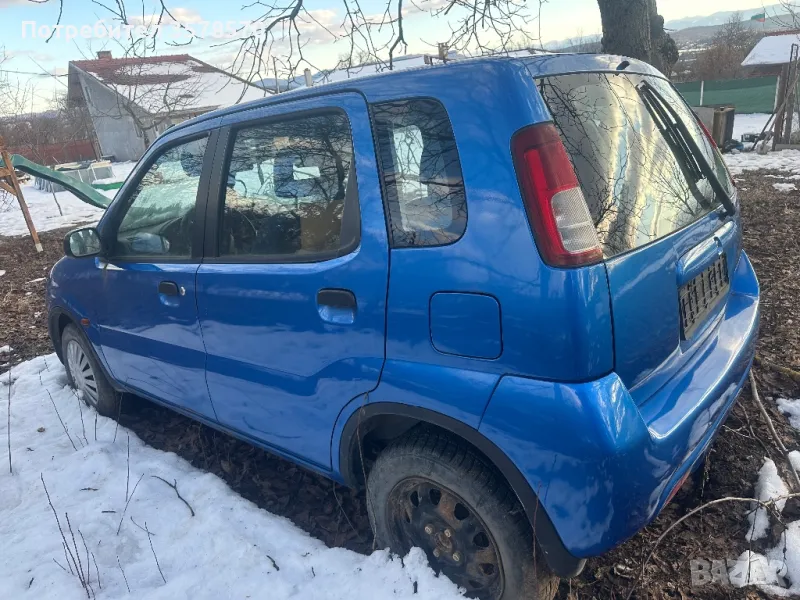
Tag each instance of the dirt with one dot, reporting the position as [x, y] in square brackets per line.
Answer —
[338, 515]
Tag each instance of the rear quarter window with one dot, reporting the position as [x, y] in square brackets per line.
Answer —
[420, 173]
[636, 188]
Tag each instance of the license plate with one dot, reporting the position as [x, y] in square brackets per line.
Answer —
[700, 296]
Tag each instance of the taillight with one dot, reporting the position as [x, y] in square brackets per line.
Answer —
[557, 211]
[716, 147]
[708, 133]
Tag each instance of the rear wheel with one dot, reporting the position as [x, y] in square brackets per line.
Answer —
[85, 375]
[428, 490]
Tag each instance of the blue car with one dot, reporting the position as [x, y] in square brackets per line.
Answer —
[507, 296]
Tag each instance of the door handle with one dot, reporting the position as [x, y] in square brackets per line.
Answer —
[344, 299]
[337, 306]
[170, 288]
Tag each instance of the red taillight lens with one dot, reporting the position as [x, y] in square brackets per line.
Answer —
[708, 133]
[716, 147]
[557, 210]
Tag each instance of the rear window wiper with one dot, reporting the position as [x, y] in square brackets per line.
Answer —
[683, 143]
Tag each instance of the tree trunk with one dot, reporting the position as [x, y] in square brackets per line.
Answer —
[626, 27]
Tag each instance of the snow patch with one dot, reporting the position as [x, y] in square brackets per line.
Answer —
[225, 551]
[791, 408]
[784, 187]
[45, 212]
[749, 123]
[769, 487]
[5, 349]
[49, 212]
[783, 160]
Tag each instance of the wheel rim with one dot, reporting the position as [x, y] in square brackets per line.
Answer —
[82, 373]
[456, 540]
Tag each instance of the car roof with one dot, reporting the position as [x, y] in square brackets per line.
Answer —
[537, 64]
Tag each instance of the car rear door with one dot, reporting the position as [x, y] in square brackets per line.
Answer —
[670, 247]
[292, 290]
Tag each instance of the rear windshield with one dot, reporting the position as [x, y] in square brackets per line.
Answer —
[637, 188]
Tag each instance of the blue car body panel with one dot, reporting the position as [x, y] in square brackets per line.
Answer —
[279, 366]
[166, 358]
[602, 466]
[578, 377]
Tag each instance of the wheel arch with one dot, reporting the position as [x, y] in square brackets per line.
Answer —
[57, 321]
[387, 420]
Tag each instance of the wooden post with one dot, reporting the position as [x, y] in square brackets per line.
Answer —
[9, 178]
[777, 137]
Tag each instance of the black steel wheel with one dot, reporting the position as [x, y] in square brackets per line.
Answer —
[429, 490]
[434, 518]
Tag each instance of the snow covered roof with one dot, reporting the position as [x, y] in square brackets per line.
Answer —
[772, 50]
[173, 83]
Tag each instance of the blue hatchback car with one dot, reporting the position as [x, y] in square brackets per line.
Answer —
[508, 296]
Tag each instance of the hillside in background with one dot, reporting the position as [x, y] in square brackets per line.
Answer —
[690, 31]
[701, 34]
[719, 18]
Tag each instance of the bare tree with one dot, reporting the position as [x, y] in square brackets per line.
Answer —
[282, 30]
[730, 46]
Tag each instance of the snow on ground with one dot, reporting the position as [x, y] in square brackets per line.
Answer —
[122, 170]
[784, 160]
[791, 408]
[777, 571]
[752, 123]
[784, 187]
[45, 211]
[770, 486]
[229, 549]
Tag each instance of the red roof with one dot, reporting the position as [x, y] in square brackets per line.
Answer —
[102, 64]
[118, 70]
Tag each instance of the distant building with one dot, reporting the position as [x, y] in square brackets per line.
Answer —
[771, 54]
[133, 100]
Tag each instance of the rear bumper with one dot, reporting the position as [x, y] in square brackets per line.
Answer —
[603, 467]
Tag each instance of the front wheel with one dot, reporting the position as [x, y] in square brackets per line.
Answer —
[431, 491]
[85, 375]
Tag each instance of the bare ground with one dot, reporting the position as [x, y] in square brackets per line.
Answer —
[338, 516]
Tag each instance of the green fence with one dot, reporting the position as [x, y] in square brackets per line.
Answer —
[752, 95]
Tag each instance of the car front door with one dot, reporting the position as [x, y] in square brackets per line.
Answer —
[292, 290]
[147, 311]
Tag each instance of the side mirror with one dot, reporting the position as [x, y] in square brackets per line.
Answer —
[82, 243]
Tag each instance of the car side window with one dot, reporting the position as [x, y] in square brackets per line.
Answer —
[286, 186]
[421, 173]
[161, 213]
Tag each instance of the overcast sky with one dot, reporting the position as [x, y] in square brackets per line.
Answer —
[561, 19]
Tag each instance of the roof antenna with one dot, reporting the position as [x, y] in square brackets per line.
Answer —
[623, 65]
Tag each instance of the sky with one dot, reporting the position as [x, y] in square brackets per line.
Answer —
[29, 53]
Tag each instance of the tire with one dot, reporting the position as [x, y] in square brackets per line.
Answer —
[85, 374]
[428, 489]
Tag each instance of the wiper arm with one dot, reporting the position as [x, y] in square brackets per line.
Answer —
[686, 143]
[680, 150]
